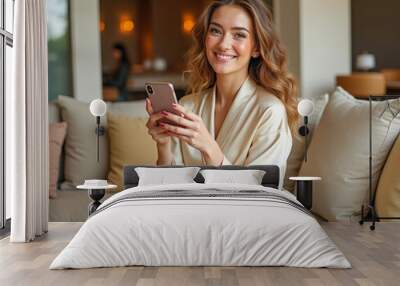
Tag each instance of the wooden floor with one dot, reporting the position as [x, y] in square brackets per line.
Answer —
[375, 257]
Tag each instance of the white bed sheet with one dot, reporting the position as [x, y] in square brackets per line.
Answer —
[200, 231]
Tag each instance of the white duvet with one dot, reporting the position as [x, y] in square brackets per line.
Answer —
[183, 231]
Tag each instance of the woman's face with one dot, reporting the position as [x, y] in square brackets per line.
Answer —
[230, 40]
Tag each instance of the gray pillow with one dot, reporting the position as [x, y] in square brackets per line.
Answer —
[339, 152]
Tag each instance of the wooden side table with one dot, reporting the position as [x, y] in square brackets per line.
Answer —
[304, 190]
[96, 193]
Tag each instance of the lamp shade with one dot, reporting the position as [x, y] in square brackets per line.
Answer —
[305, 107]
[365, 61]
[98, 107]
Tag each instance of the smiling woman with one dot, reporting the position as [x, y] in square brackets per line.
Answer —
[242, 102]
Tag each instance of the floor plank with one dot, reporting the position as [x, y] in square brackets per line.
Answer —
[375, 257]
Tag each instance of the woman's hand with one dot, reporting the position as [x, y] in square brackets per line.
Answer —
[192, 130]
[159, 134]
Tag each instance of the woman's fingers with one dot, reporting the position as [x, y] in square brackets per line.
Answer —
[177, 130]
[149, 107]
[159, 135]
[184, 138]
[182, 110]
[179, 120]
[154, 118]
[158, 131]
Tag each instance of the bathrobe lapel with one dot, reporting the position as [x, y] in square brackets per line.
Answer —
[230, 124]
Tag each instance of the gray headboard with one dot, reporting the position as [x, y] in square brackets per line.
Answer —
[270, 179]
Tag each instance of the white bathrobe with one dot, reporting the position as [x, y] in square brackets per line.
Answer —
[255, 130]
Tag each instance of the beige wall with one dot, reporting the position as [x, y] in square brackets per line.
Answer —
[85, 41]
[325, 44]
[317, 34]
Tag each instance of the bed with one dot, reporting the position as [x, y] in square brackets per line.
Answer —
[199, 224]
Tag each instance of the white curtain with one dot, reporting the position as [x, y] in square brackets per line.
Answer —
[27, 124]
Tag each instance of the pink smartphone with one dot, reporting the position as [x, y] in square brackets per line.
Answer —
[162, 96]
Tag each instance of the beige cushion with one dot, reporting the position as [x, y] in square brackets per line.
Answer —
[57, 132]
[130, 144]
[339, 152]
[296, 155]
[80, 145]
[388, 191]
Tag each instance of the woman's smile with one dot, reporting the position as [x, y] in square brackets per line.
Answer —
[224, 57]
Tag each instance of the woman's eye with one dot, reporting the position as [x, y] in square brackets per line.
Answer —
[239, 36]
[215, 31]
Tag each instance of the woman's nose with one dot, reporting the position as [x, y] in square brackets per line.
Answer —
[225, 42]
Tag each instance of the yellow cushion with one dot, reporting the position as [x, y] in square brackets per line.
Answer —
[130, 144]
[388, 192]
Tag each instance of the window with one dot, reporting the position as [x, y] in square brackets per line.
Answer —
[6, 63]
[59, 48]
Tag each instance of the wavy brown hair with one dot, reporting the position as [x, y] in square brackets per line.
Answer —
[268, 70]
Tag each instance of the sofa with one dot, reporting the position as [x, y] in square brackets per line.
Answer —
[338, 152]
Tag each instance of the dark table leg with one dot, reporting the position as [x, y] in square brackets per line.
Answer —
[304, 193]
[96, 195]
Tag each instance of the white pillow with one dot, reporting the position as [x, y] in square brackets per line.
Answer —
[248, 177]
[163, 176]
[339, 152]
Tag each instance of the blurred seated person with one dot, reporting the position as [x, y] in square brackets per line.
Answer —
[116, 81]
